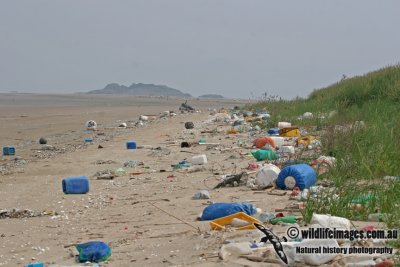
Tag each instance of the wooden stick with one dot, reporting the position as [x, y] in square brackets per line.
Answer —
[197, 229]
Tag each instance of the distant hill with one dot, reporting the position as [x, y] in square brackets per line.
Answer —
[139, 89]
[211, 96]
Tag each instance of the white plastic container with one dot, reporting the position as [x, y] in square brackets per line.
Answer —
[283, 124]
[91, 125]
[327, 221]
[199, 160]
[307, 115]
[143, 118]
[267, 175]
[287, 149]
[279, 140]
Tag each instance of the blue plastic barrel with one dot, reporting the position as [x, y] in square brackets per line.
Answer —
[8, 151]
[303, 174]
[75, 185]
[222, 209]
[131, 145]
[88, 140]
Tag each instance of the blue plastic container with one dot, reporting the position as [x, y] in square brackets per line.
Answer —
[222, 209]
[131, 145]
[75, 185]
[35, 264]
[303, 174]
[88, 140]
[273, 131]
[8, 151]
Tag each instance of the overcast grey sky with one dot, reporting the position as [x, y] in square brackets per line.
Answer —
[228, 47]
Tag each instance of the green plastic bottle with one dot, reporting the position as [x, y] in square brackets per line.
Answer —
[285, 219]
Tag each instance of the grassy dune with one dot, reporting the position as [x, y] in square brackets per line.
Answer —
[364, 154]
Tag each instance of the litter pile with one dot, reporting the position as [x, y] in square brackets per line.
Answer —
[25, 213]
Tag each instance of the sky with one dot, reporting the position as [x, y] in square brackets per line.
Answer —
[236, 48]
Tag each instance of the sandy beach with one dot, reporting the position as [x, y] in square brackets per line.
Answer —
[114, 211]
[148, 219]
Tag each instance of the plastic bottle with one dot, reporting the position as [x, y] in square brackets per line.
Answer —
[266, 216]
[285, 219]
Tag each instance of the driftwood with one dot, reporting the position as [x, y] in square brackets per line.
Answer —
[230, 180]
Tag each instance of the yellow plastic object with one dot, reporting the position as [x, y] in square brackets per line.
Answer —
[253, 118]
[219, 224]
[305, 140]
[289, 132]
[232, 131]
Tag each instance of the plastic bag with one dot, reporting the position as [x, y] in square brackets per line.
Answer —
[222, 209]
[264, 154]
[94, 251]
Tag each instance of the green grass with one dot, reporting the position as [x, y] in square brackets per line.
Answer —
[365, 155]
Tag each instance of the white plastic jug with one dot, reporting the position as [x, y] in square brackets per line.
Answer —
[267, 175]
[199, 160]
